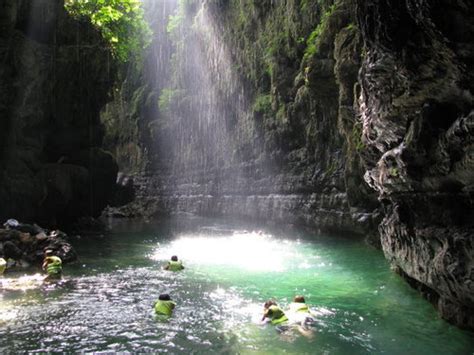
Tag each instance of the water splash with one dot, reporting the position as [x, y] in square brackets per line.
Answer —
[22, 283]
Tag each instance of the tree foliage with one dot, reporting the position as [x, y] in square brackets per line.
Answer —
[121, 23]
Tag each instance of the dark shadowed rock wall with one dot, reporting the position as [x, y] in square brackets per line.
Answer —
[416, 108]
[55, 74]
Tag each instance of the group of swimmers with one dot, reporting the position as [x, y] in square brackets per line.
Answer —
[164, 305]
[298, 313]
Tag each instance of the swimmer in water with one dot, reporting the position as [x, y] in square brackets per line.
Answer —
[275, 314]
[300, 314]
[174, 264]
[164, 305]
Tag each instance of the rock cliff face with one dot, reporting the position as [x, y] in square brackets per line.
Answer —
[279, 110]
[127, 118]
[252, 115]
[55, 74]
[416, 107]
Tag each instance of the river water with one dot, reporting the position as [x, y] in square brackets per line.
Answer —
[105, 302]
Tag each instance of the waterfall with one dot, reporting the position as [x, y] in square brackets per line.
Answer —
[223, 140]
[204, 118]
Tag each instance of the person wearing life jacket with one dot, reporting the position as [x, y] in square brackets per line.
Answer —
[174, 264]
[274, 313]
[300, 310]
[164, 305]
[3, 265]
[299, 305]
[52, 264]
[300, 314]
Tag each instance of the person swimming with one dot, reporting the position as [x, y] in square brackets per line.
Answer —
[299, 307]
[164, 305]
[300, 314]
[174, 264]
[274, 313]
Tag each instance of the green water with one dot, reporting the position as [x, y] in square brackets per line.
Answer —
[105, 302]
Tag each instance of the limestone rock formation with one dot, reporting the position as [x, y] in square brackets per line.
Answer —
[241, 118]
[416, 107]
[330, 114]
[55, 74]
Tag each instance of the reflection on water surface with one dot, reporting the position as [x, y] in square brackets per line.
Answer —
[105, 302]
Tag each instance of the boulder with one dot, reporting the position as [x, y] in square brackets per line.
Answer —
[21, 246]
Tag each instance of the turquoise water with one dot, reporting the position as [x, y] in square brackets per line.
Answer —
[105, 302]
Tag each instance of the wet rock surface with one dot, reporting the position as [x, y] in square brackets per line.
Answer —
[27, 243]
[235, 132]
[416, 108]
[305, 131]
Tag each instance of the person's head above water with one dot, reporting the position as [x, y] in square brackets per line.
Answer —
[299, 299]
[174, 258]
[269, 303]
[164, 297]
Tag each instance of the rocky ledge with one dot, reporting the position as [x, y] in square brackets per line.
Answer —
[25, 244]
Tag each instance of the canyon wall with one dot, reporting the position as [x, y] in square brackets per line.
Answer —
[55, 74]
[416, 108]
[254, 116]
[338, 115]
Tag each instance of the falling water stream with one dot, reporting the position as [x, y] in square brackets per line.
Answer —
[105, 302]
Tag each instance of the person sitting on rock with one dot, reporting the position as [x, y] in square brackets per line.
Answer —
[164, 305]
[274, 313]
[174, 264]
[52, 264]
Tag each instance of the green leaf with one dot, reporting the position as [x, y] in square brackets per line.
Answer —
[121, 23]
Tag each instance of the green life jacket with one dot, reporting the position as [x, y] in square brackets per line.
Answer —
[164, 307]
[175, 265]
[3, 265]
[276, 314]
[54, 265]
[297, 307]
